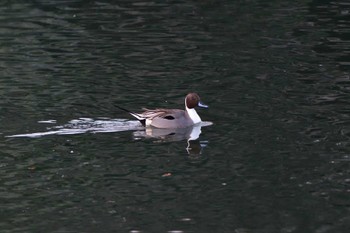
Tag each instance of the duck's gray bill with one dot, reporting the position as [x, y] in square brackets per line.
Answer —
[202, 105]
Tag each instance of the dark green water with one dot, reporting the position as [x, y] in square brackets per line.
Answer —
[274, 73]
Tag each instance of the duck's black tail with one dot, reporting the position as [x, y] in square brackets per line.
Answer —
[137, 116]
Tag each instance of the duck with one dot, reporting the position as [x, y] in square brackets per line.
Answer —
[171, 118]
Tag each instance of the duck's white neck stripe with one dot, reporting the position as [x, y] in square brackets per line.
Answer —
[193, 115]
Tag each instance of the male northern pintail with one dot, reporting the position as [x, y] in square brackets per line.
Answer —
[171, 118]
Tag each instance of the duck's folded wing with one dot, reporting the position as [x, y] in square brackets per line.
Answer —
[168, 114]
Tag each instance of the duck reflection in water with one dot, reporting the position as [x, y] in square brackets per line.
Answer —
[191, 134]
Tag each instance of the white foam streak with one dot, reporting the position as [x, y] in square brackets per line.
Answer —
[85, 125]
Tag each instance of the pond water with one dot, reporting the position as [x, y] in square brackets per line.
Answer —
[275, 75]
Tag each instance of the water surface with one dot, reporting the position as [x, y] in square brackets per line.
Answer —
[275, 75]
